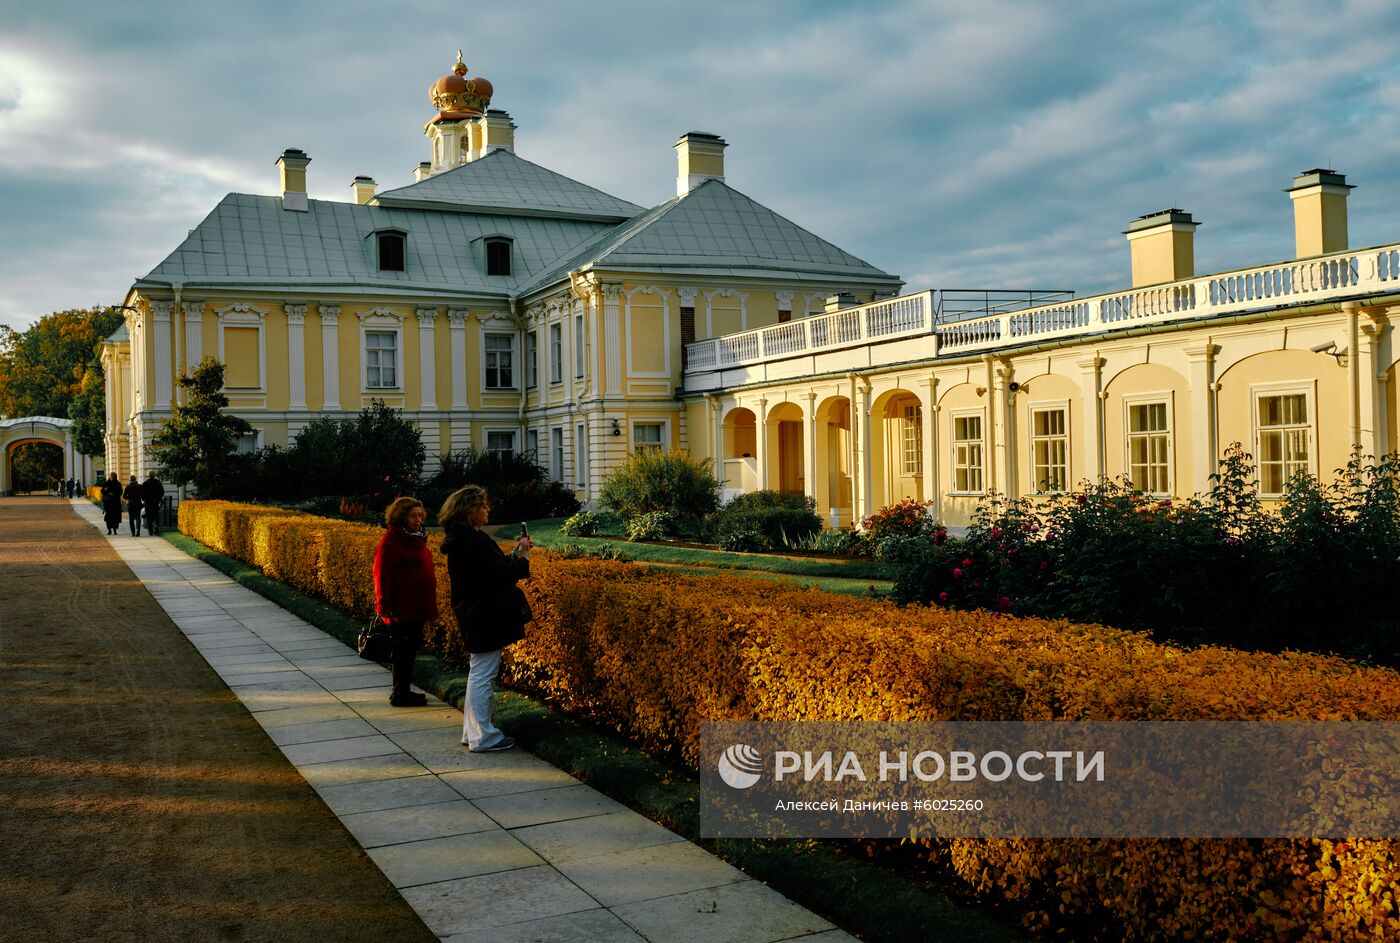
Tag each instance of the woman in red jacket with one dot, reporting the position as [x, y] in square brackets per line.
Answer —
[405, 591]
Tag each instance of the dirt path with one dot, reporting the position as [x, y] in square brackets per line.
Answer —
[138, 799]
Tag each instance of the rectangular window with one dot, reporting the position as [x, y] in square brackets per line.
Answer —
[556, 453]
[1285, 440]
[1050, 449]
[967, 454]
[391, 252]
[532, 442]
[556, 353]
[497, 256]
[532, 359]
[578, 346]
[381, 360]
[646, 437]
[1149, 447]
[913, 439]
[500, 442]
[500, 349]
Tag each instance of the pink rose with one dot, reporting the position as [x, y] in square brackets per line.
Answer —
[957, 572]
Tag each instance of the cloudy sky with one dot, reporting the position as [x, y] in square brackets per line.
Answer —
[977, 144]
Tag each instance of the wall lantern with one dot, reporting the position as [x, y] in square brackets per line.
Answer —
[617, 430]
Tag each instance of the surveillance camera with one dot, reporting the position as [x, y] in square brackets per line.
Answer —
[1013, 386]
[1324, 347]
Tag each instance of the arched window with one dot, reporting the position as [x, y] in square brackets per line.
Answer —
[391, 246]
[497, 255]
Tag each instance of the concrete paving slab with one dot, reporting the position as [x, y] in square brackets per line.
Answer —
[346, 748]
[736, 913]
[291, 716]
[318, 732]
[520, 809]
[362, 770]
[415, 823]
[242, 674]
[626, 877]
[455, 856]
[507, 777]
[386, 794]
[599, 834]
[468, 905]
[589, 926]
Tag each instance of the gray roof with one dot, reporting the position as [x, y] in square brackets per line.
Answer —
[251, 241]
[501, 182]
[715, 229]
[119, 336]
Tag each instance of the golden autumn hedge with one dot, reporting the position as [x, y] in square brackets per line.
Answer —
[657, 653]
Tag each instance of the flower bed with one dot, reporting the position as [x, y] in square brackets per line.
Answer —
[656, 654]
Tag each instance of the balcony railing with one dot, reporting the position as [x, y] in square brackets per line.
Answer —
[1339, 275]
[894, 318]
[1352, 273]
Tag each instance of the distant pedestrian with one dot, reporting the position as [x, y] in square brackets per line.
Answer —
[490, 609]
[152, 494]
[133, 505]
[112, 503]
[71, 483]
[405, 591]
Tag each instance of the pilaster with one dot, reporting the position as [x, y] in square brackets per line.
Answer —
[296, 355]
[457, 334]
[1091, 379]
[162, 365]
[1201, 378]
[330, 356]
[865, 496]
[194, 332]
[929, 418]
[761, 445]
[612, 326]
[427, 360]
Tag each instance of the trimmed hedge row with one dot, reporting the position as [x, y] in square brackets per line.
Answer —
[656, 654]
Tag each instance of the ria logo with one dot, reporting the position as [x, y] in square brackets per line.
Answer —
[740, 766]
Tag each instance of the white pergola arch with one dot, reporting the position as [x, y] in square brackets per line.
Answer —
[48, 429]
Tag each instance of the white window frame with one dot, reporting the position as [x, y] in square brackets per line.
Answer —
[241, 316]
[556, 352]
[911, 425]
[581, 456]
[488, 433]
[665, 443]
[532, 358]
[514, 356]
[955, 442]
[381, 321]
[256, 435]
[556, 453]
[532, 443]
[1257, 391]
[1049, 406]
[1163, 397]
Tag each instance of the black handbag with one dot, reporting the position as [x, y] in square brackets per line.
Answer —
[375, 643]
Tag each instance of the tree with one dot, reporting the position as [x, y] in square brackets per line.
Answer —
[42, 368]
[88, 410]
[377, 454]
[194, 444]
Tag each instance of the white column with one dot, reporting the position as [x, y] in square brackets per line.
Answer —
[928, 413]
[194, 332]
[563, 316]
[162, 366]
[296, 355]
[1090, 374]
[1201, 377]
[1004, 407]
[330, 356]
[612, 321]
[865, 496]
[593, 318]
[427, 362]
[809, 447]
[761, 450]
[1372, 415]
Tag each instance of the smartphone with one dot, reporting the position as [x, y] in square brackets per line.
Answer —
[524, 529]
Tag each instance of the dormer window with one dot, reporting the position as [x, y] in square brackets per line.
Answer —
[392, 247]
[497, 255]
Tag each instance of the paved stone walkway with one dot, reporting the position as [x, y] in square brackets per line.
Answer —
[487, 848]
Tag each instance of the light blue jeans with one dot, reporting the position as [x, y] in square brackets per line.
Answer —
[477, 730]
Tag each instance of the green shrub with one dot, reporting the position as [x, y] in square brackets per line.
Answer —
[582, 524]
[651, 525]
[764, 520]
[520, 490]
[669, 482]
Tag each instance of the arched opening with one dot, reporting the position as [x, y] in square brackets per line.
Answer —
[833, 489]
[786, 464]
[896, 449]
[34, 465]
[739, 456]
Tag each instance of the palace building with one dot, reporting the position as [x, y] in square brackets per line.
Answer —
[503, 306]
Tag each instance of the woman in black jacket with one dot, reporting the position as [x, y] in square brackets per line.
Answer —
[490, 610]
[112, 502]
